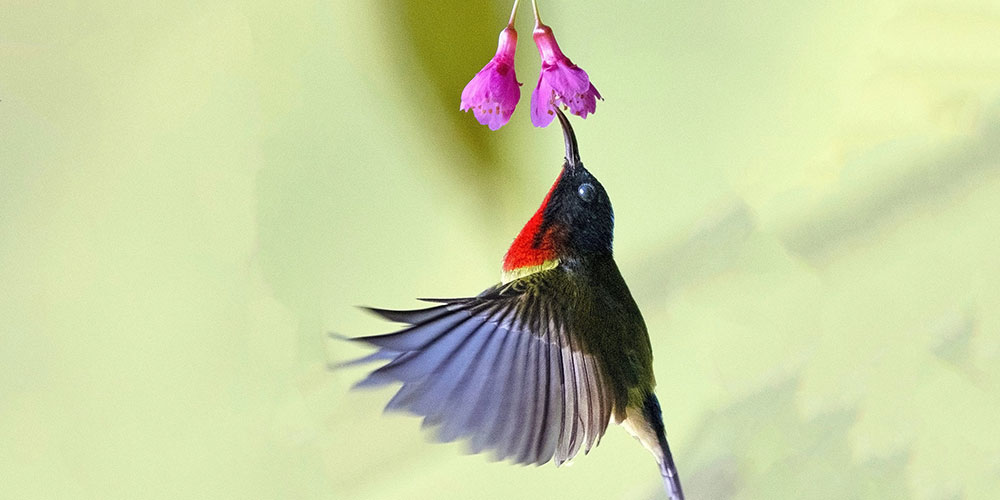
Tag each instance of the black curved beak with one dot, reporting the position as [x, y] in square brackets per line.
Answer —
[572, 149]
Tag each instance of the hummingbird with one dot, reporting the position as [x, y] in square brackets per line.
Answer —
[536, 367]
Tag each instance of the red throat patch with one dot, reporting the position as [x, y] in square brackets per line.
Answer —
[529, 248]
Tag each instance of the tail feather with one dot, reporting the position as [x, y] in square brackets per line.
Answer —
[671, 480]
[668, 470]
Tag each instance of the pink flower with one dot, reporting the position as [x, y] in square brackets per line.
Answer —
[561, 81]
[493, 93]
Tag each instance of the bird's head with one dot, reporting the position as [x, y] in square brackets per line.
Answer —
[575, 219]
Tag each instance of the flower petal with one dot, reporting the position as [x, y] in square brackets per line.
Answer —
[582, 104]
[568, 85]
[494, 92]
[477, 88]
[567, 79]
[541, 103]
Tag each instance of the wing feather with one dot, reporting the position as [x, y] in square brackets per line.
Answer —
[420, 363]
[417, 336]
[463, 382]
[504, 369]
[492, 400]
[410, 317]
[437, 392]
[593, 410]
[569, 406]
[516, 405]
[466, 413]
[554, 394]
[529, 420]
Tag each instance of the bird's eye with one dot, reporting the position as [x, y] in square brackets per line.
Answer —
[586, 192]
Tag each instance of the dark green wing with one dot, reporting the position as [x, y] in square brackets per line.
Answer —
[502, 369]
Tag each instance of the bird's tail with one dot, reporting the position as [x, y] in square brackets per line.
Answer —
[671, 480]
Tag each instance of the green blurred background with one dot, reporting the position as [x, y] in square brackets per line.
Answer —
[193, 194]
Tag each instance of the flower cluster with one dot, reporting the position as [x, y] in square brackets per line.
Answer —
[494, 92]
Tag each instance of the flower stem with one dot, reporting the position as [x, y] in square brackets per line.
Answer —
[513, 14]
[534, 7]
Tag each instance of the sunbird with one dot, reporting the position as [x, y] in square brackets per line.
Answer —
[536, 367]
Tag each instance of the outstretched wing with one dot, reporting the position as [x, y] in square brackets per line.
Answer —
[503, 369]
